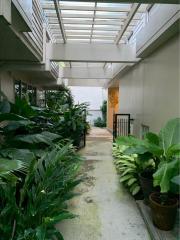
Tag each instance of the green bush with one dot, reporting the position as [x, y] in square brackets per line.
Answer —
[99, 122]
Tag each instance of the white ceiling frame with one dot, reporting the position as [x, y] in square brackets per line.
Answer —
[105, 17]
[104, 33]
[89, 8]
[55, 27]
[53, 20]
[127, 21]
[58, 13]
[94, 16]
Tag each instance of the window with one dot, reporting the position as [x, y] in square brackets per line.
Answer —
[144, 130]
[17, 88]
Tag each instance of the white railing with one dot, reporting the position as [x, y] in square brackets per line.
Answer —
[55, 69]
[35, 37]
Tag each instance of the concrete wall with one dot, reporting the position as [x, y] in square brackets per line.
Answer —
[7, 82]
[7, 85]
[150, 91]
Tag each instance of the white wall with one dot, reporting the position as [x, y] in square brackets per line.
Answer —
[92, 95]
[150, 91]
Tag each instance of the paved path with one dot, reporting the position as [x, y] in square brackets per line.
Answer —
[106, 211]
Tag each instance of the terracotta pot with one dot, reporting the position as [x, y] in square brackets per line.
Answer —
[146, 182]
[164, 216]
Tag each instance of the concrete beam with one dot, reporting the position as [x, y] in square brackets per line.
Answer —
[22, 66]
[91, 52]
[87, 82]
[86, 73]
[133, 1]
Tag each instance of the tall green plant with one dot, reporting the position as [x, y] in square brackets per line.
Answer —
[43, 194]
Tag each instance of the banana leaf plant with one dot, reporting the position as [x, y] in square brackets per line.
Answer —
[163, 148]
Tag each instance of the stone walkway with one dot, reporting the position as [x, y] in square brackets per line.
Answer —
[105, 210]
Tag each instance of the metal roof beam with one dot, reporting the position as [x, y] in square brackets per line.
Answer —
[133, 1]
[127, 21]
[56, 4]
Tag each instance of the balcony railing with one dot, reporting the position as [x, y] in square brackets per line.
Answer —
[35, 37]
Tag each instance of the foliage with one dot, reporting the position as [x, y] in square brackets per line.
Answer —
[126, 166]
[104, 110]
[42, 195]
[175, 184]
[59, 99]
[129, 167]
[99, 122]
[73, 124]
[38, 168]
[163, 148]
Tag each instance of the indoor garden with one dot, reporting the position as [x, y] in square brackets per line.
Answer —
[39, 164]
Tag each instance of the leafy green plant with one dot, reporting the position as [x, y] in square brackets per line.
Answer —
[129, 167]
[99, 122]
[170, 160]
[163, 149]
[42, 196]
[38, 169]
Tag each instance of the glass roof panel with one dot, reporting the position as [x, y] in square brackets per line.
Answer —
[122, 5]
[76, 12]
[74, 3]
[92, 21]
[117, 14]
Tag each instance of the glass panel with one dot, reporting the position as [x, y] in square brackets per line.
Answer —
[77, 12]
[72, 3]
[23, 89]
[115, 14]
[78, 25]
[105, 32]
[122, 5]
[78, 31]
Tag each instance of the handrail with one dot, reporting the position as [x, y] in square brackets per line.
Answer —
[35, 37]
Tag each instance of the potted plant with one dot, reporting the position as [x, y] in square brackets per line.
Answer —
[163, 204]
[154, 148]
[148, 153]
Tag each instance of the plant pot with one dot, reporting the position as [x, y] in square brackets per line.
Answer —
[163, 216]
[146, 182]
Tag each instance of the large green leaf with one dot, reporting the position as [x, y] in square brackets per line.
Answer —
[11, 117]
[44, 137]
[129, 141]
[175, 184]
[170, 134]
[25, 155]
[162, 177]
[152, 138]
[7, 167]
[14, 125]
